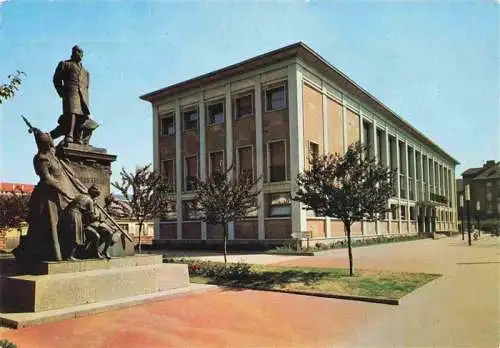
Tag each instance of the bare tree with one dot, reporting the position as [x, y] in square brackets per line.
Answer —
[9, 89]
[225, 198]
[146, 192]
[351, 188]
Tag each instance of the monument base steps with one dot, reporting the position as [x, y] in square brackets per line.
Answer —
[103, 284]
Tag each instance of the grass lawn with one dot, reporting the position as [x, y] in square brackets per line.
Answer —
[378, 284]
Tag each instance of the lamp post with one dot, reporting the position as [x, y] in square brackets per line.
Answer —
[467, 200]
[478, 209]
[462, 216]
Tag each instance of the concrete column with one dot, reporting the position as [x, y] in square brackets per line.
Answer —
[327, 229]
[454, 204]
[344, 124]
[203, 150]
[178, 167]
[428, 178]
[156, 158]
[295, 110]
[388, 163]
[376, 156]
[229, 146]
[421, 168]
[407, 180]
[414, 173]
[259, 151]
[398, 183]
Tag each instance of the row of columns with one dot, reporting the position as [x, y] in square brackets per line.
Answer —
[425, 172]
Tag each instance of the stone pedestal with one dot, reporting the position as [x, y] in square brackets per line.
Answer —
[91, 165]
[58, 285]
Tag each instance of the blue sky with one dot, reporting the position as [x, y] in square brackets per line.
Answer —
[434, 63]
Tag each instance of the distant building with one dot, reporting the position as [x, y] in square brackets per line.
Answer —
[266, 115]
[484, 188]
[8, 187]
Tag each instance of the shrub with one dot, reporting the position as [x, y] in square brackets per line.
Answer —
[7, 344]
[491, 225]
[215, 270]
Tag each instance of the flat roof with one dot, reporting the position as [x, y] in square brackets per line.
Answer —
[309, 56]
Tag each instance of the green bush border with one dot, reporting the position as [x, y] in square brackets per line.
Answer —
[291, 247]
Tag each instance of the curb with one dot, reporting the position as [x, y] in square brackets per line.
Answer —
[307, 253]
[379, 300]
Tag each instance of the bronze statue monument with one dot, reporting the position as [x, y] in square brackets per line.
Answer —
[66, 221]
[71, 82]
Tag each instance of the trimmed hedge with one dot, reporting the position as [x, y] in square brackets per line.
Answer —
[216, 270]
[292, 247]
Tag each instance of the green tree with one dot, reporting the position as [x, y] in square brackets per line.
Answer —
[147, 194]
[225, 198]
[9, 89]
[13, 210]
[351, 188]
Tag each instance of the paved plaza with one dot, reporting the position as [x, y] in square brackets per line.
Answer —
[460, 309]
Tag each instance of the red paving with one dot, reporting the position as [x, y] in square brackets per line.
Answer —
[219, 318]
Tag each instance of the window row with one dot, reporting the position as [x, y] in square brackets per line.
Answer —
[277, 205]
[277, 168]
[243, 106]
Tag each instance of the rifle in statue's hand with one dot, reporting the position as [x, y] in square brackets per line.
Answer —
[114, 222]
[31, 129]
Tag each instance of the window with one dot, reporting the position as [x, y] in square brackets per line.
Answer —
[124, 227]
[280, 204]
[243, 106]
[313, 149]
[412, 213]
[170, 213]
[168, 125]
[380, 147]
[277, 161]
[275, 98]
[215, 113]
[191, 211]
[169, 172]
[245, 162]
[403, 212]
[191, 173]
[216, 162]
[190, 119]
[394, 212]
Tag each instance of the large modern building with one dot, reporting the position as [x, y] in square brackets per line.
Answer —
[266, 115]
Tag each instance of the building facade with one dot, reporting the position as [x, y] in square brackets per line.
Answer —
[266, 115]
[484, 184]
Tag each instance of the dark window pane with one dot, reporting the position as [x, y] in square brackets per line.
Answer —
[277, 164]
[216, 113]
[216, 162]
[244, 106]
[190, 119]
[167, 126]
[245, 162]
[275, 98]
[191, 173]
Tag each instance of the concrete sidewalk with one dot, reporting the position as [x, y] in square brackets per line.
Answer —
[460, 309]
